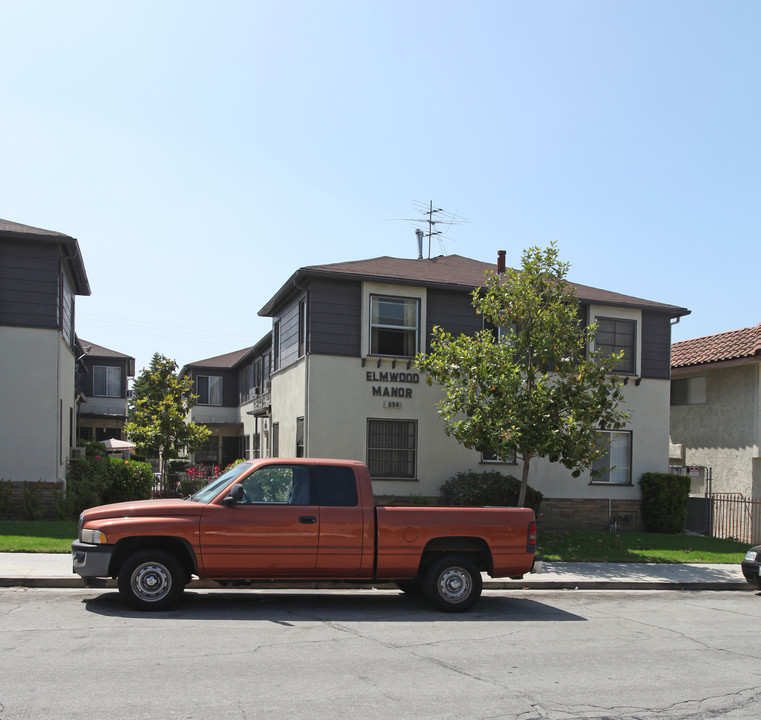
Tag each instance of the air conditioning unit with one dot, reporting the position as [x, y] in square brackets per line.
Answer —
[77, 452]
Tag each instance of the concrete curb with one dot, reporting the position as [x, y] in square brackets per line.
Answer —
[76, 582]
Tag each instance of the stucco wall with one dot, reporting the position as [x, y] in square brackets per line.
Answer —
[341, 400]
[289, 403]
[37, 391]
[723, 432]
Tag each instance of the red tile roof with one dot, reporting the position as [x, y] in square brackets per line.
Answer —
[732, 345]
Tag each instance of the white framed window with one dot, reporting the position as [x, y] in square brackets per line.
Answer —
[614, 335]
[615, 465]
[394, 326]
[209, 389]
[107, 381]
[490, 456]
[392, 449]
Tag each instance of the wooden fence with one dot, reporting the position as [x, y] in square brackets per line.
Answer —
[736, 517]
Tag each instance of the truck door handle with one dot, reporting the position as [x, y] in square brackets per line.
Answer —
[307, 519]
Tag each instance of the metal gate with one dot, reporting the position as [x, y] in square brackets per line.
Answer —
[699, 508]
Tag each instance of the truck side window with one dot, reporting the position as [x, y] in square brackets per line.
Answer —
[278, 484]
[337, 486]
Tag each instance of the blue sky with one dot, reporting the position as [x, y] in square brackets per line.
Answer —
[202, 151]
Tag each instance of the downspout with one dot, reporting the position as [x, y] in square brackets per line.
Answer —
[307, 374]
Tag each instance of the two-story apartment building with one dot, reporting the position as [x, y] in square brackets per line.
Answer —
[233, 393]
[343, 381]
[41, 273]
[102, 379]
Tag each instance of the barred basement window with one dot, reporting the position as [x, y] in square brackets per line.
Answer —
[392, 449]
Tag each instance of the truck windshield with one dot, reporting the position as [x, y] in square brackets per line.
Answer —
[209, 492]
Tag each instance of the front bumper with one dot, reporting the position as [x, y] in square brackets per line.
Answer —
[752, 572]
[91, 561]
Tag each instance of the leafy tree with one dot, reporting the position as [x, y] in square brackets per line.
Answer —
[161, 403]
[527, 384]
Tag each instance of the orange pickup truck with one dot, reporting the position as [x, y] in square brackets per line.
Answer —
[294, 520]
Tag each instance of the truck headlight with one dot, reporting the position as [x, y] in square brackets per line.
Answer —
[94, 537]
[751, 556]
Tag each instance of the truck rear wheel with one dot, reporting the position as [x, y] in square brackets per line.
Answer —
[453, 584]
[151, 580]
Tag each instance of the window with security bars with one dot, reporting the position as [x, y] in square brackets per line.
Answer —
[614, 335]
[392, 449]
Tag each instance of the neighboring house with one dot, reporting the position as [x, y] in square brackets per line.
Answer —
[233, 397]
[344, 383]
[716, 408]
[41, 273]
[102, 391]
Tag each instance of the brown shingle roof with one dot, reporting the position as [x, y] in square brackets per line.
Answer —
[11, 228]
[732, 345]
[452, 271]
[227, 360]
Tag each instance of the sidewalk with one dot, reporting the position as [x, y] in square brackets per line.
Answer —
[54, 571]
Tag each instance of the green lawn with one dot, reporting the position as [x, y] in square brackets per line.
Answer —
[579, 546]
[39, 536]
[55, 537]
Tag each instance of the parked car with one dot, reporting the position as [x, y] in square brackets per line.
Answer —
[752, 566]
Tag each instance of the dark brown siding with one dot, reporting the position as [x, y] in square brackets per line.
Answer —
[452, 311]
[334, 318]
[656, 345]
[289, 333]
[28, 284]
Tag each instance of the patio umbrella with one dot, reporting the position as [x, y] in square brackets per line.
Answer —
[112, 444]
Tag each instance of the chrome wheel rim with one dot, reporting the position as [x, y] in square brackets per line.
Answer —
[455, 584]
[151, 581]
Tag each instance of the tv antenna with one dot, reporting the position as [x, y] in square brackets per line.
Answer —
[434, 223]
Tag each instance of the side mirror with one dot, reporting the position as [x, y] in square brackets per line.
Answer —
[234, 496]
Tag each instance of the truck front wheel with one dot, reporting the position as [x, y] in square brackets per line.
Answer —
[453, 584]
[151, 580]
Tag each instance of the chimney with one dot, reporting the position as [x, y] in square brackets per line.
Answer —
[419, 234]
[501, 261]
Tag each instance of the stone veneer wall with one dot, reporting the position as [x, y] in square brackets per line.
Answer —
[558, 514]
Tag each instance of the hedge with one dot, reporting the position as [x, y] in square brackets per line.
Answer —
[664, 501]
[487, 488]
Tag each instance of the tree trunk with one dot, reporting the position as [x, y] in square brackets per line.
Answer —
[524, 480]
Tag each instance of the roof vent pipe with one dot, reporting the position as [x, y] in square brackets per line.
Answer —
[419, 234]
[501, 261]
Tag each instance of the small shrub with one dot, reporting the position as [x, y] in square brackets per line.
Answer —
[31, 503]
[487, 488]
[5, 497]
[127, 480]
[664, 501]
